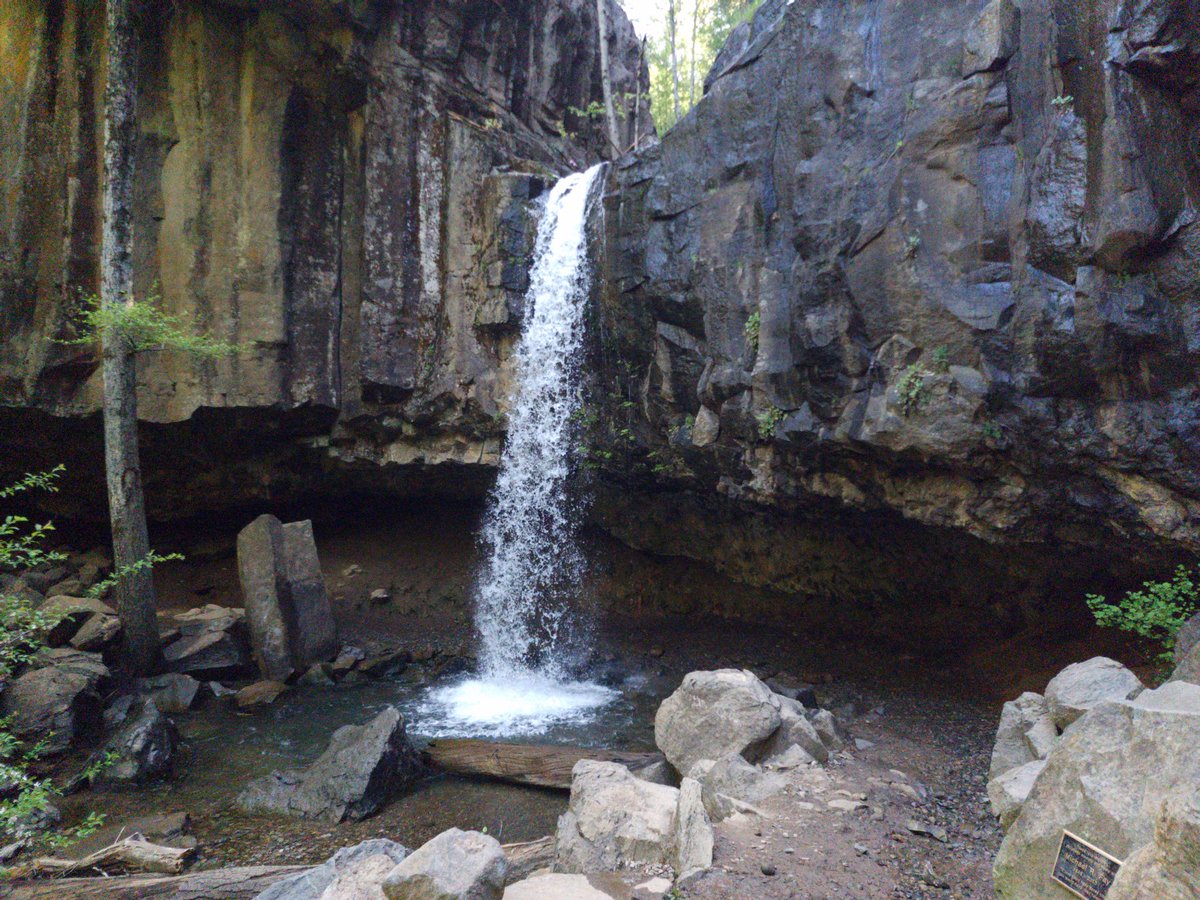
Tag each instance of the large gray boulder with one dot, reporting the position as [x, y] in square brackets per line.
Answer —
[58, 701]
[713, 714]
[362, 766]
[1026, 733]
[353, 873]
[287, 607]
[1079, 687]
[614, 819]
[455, 865]
[1168, 868]
[1106, 781]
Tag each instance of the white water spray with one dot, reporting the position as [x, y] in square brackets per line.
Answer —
[534, 569]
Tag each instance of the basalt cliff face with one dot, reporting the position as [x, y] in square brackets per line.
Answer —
[341, 188]
[917, 262]
[903, 318]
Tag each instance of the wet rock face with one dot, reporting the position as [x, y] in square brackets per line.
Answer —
[944, 266]
[340, 188]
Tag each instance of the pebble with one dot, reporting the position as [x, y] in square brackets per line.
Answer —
[768, 869]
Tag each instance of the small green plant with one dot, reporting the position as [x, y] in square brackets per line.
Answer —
[992, 431]
[1155, 613]
[1063, 102]
[144, 327]
[594, 110]
[941, 359]
[911, 389]
[753, 328]
[911, 245]
[768, 420]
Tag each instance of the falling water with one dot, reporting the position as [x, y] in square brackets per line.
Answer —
[533, 569]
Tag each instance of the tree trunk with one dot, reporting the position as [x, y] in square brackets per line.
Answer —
[692, 75]
[537, 764]
[674, 57]
[126, 504]
[610, 114]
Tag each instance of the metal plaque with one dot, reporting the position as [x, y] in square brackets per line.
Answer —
[1084, 869]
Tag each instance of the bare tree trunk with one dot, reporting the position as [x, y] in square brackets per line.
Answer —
[614, 136]
[126, 503]
[692, 78]
[674, 57]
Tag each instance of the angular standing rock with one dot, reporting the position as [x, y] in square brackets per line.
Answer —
[142, 749]
[1028, 714]
[359, 770]
[455, 865]
[693, 831]
[287, 607]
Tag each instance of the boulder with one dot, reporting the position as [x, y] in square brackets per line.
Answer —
[713, 714]
[693, 831]
[614, 819]
[1008, 792]
[730, 782]
[1169, 867]
[57, 701]
[212, 643]
[1026, 732]
[353, 873]
[455, 865]
[826, 726]
[287, 607]
[172, 692]
[795, 730]
[362, 766]
[142, 749]
[1079, 687]
[1105, 781]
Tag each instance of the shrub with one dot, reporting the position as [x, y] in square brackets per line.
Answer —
[911, 389]
[768, 421]
[1155, 613]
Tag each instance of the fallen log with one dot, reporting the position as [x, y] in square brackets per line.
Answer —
[133, 852]
[541, 765]
[243, 883]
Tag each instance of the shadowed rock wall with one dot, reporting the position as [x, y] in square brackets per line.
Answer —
[931, 262]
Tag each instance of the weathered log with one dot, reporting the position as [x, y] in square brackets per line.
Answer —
[133, 852]
[242, 883]
[526, 858]
[541, 765]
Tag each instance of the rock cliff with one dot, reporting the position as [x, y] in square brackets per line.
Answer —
[341, 188]
[907, 307]
[932, 263]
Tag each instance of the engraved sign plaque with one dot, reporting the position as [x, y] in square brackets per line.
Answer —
[1084, 869]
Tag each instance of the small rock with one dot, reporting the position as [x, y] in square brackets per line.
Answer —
[937, 832]
[352, 571]
[862, 744]
[380, 596]
[845, 805]
[319, 675]
[220, 691]
[261, 693]
[172, 693]
[768, 869]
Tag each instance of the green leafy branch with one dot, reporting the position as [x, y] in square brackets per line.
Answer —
[1155, 613]
[143, 326]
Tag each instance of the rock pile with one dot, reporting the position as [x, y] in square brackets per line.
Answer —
[1121, 758]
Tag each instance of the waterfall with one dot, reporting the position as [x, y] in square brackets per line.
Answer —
[533, 568]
